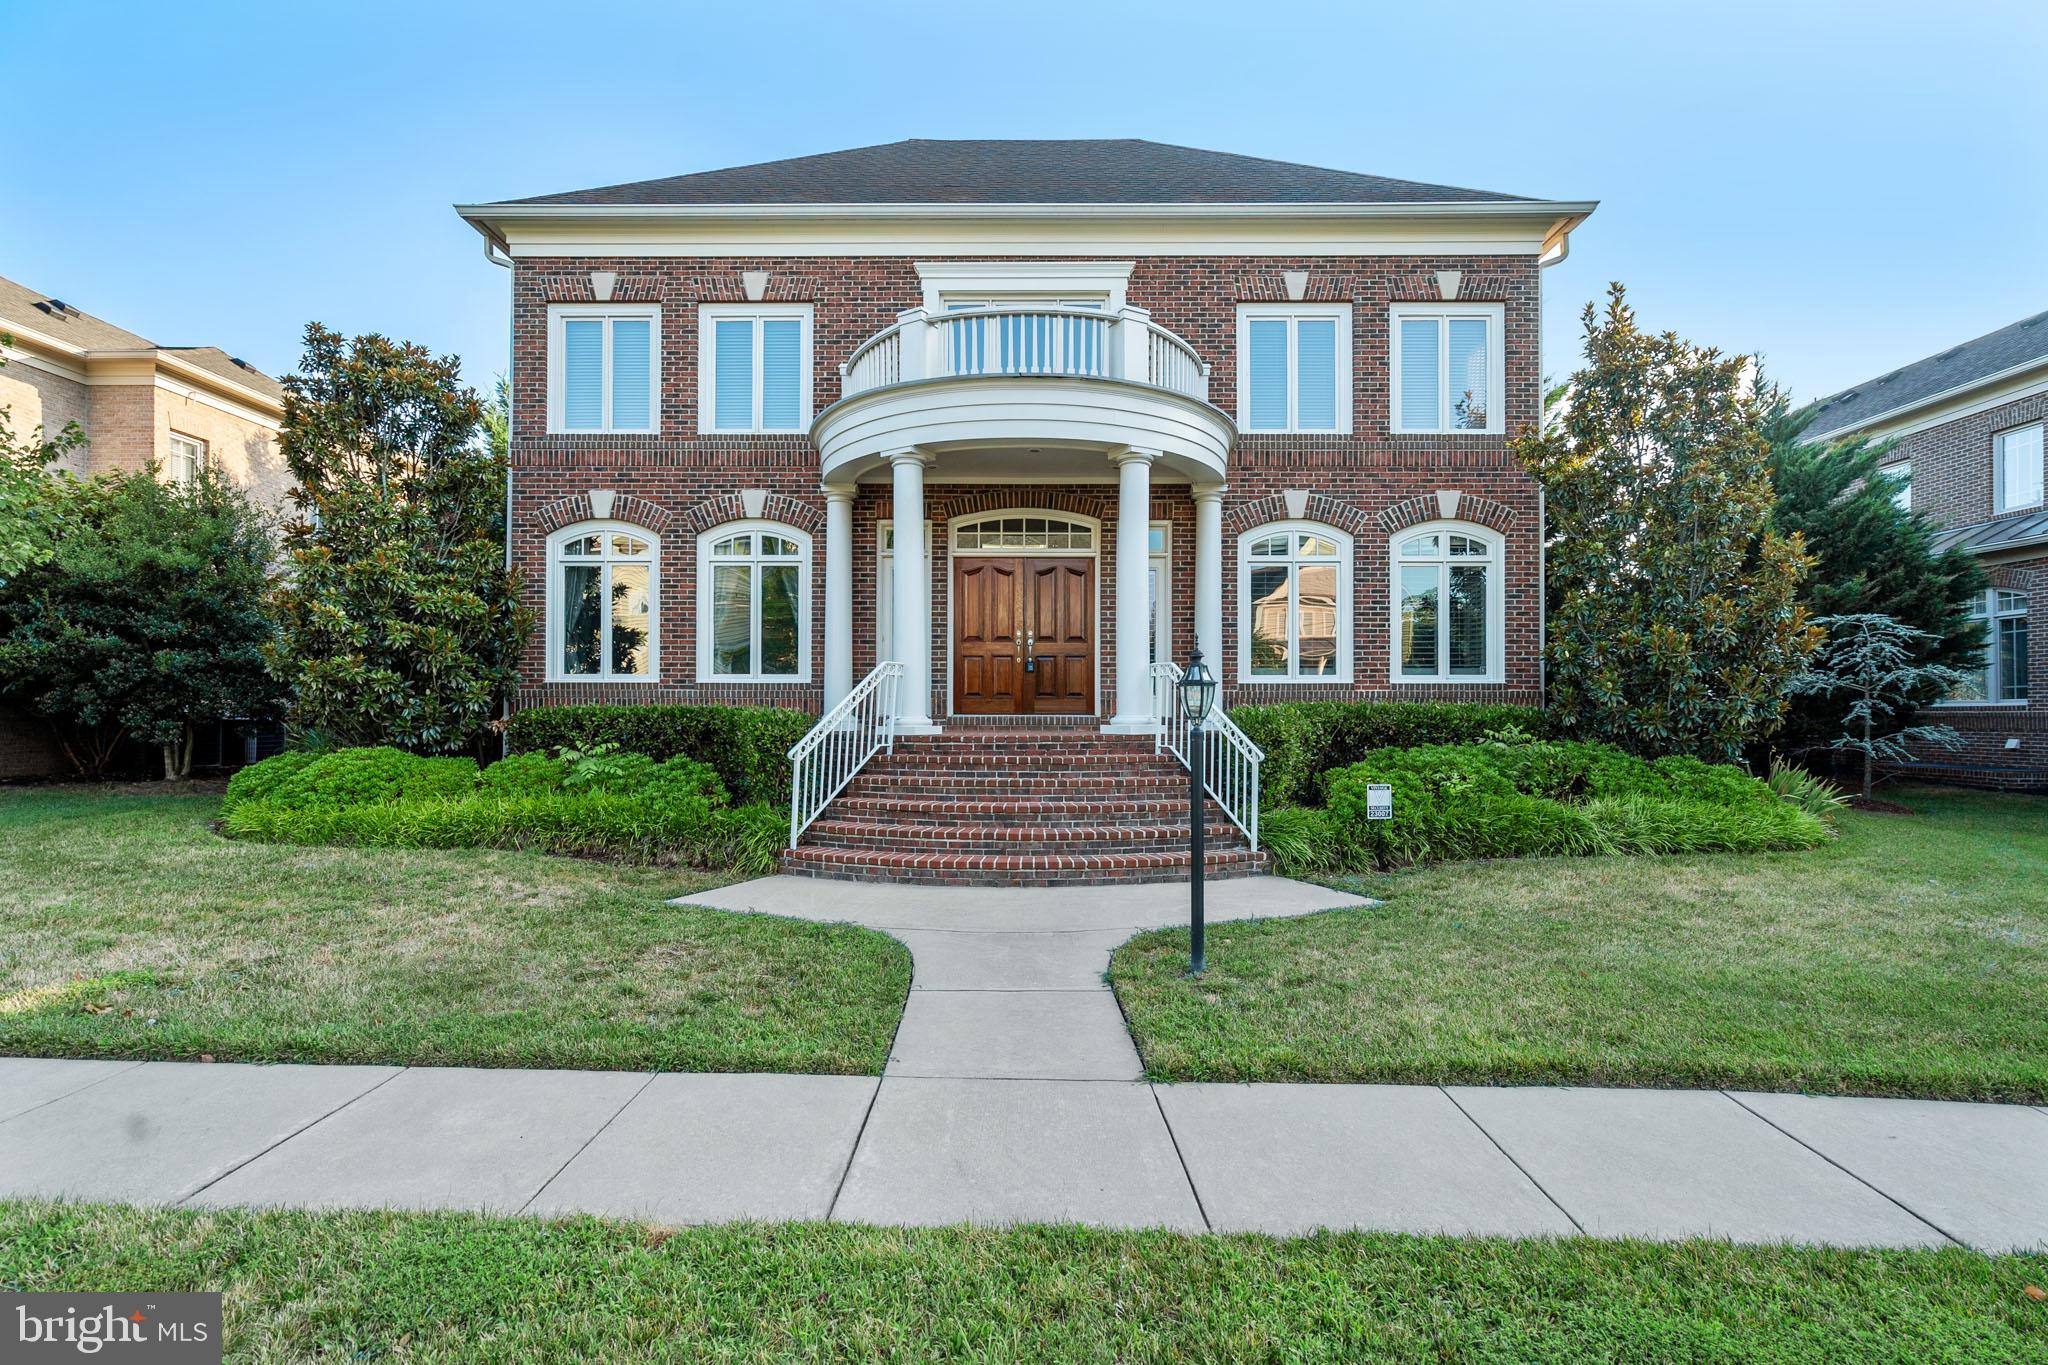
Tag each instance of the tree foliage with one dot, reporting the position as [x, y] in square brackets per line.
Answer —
[1871, 557]
[146, 618]
[1872, 663]
[1674, 613]
[26, 514]
[399, 622]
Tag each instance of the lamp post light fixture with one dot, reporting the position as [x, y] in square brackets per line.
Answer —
[1197, 696]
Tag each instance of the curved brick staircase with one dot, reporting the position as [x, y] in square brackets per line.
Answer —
[1004, 804]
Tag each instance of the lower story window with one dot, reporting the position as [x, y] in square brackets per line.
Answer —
[753, 604]
[1447, 614]
[601, 603]
[2004, 675]
[1295, 603]
[188, 457]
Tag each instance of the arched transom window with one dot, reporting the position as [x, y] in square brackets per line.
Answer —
[1023, 531]
[1294, 603]
[753, 603]
[1447, 593]
[602, 614]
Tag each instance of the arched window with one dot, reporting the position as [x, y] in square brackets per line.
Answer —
[1294, 604]
[753, 603]
[1448, 604]
[603, 620]
[1024, 531]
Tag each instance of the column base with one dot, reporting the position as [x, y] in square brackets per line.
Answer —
[1130, 725]
[921, 727]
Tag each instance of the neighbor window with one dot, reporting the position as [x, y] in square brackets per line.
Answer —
[188, 457]
[753, 603]
[2016, 469]
[755, 370]
[2004, 675]
[1901, 475]
[1447, 605]
[1446, 367]
[604, 368]
[1294, 604]
[1294, 363]
[601, 603]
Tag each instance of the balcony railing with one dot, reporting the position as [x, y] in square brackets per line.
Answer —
[1027, 340]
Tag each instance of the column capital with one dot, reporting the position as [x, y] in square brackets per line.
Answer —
[908, 455]
[1127, 454]
[1208, 492]
[837, 492]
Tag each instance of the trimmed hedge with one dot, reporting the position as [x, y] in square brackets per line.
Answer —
[747, 745]
[1538, 799]
[1307, 740]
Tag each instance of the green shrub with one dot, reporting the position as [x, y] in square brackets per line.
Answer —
[1306, 740]
[522, 775]
[1813, 794]
[1303, 840]
[607, 769]
[359, 777]
[750, 838]
[748, 746]
[257, 781]
[1647, 824]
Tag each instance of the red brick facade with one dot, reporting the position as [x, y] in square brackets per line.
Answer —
[1370, 484]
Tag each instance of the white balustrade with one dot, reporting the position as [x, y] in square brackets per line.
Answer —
[840, 744]
[1230, 761]
[1026, 340]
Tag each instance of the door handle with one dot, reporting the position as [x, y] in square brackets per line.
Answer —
[1030, 652]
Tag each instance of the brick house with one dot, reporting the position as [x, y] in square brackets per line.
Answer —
[1067, 408]
[179, 406]
[1967, 426]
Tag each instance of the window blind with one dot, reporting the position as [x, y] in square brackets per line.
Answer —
[632, 339]
[733, 374]
[1316, 391]
[1421, 390]
[583, 374]
[1267, 374]
[781, 374]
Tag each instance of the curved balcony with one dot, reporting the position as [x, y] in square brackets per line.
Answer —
[1025, 379]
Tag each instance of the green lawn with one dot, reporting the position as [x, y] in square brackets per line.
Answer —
[129, 929]
[419, 1288]
[1910, 957]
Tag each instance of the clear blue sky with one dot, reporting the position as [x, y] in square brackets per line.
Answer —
[1842, 187]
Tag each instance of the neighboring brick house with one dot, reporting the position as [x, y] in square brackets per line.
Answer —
[136, 401]
[1137, 397]
[1968, 426]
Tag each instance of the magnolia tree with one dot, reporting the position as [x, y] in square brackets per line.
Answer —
[1873, 663]
[1674, 612]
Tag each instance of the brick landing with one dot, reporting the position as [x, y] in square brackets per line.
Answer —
[1038, 804]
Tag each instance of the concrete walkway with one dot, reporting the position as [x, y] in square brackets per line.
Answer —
[1013, 1094]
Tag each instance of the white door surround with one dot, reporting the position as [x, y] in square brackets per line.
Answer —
[1093, 552]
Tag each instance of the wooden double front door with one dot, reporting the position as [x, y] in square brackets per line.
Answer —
[1023, 636]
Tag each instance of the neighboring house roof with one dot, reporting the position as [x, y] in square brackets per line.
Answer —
[2017, 347]
[988, 171]
[2003, 533]
[30, 310]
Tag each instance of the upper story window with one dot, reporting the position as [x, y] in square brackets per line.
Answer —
[753, 598]
[1294, 604]
[2004, 676]
[1447, 367]
[602, 618]
[1448, 604]
[1294, 364]
[604, 367]
[1901, 476]
[2016, 469]
[754, 373]
[188, 457]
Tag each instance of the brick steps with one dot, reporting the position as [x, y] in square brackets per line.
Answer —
[994, 805]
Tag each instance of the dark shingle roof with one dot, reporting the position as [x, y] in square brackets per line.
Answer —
[1996, 352]
[2002, 533]
[1079, 171]
[31, 309]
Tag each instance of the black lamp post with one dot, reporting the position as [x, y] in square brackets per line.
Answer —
[1197, 696]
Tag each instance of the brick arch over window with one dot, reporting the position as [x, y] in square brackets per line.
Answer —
[576, 507]
[777, 507]
[1273, 508]
[2014, 578]
[1423, 507]
[951, 506]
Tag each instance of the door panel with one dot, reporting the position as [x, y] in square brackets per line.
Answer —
[1059, 611]
[988, 647]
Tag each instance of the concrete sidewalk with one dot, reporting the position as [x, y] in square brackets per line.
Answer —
[1013, 1094]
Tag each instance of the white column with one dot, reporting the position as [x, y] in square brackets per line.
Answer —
[838, 594]
[1209, 576]
[1133, 607]
[913, 602]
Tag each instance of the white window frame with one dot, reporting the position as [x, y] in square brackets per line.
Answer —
[946, 282]
[560, 313]
[1496, 605]
[1989, 612]
[885, 586]
[1160, 561]
[1346, 553]
[1496, 366]
[1998, 503]
[705, 559]
[185, 478]
[709, 315]
[1247, 313]
[1901, 475]
[556, 620]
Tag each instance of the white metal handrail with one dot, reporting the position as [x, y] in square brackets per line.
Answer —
[1230, 761]
[840, 744]
[1026, 339]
